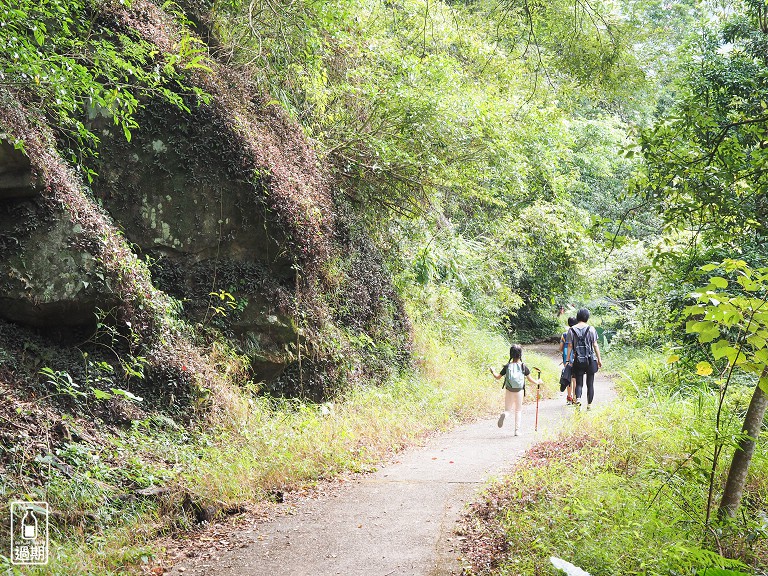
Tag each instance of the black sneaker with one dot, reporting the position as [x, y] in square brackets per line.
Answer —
[500, 423]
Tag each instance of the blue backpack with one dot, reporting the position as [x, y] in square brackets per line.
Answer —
[514, 379]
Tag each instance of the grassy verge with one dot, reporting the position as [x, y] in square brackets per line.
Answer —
[623, 491]
[113, 497]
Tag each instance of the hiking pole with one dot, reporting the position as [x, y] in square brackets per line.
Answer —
[538, 386]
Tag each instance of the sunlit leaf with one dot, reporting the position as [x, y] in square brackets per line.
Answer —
[718, 282]
[703, 368]
[722, 348]
[101, 394]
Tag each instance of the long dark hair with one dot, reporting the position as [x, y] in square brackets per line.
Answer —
[515, 352]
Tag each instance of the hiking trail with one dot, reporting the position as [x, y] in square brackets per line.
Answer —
[397, 521]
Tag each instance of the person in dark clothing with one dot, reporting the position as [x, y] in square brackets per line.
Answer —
[564, 352]
[583, 355]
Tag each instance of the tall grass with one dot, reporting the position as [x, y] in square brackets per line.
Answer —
[257, 447]
[624, 491]
[281, 444]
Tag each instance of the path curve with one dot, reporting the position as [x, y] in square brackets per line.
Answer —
[398, 521]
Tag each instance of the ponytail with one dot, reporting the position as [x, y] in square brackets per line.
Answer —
[515, 352]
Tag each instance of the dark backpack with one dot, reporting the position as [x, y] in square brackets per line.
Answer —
[583, 354]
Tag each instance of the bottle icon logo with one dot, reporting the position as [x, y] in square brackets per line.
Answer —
[29, 525]
[29, 533]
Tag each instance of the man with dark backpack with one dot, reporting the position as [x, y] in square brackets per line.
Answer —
[583, 355]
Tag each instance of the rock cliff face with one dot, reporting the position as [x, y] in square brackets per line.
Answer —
[190, 203]
[229, 209]
[185, 202]
[16, 179]
[49, 269]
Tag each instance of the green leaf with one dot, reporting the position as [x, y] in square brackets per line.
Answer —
[757, 342]
[39, 35]
[101, 394]
[48, 371]
[708, 334]
[731, 316]
[722, 348]
[752, 367]
[694, 309]
[703, 368]
[748, 284]
[698, 326]
[718, 282]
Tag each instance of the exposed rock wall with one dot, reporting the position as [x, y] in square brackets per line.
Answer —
[190, 193]
[50, 268]
[51, 273]
[228, 206]
[16, 178]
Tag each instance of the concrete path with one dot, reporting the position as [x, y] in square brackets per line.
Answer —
[399, 520]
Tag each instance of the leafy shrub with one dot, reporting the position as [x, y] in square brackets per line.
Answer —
[67, 60]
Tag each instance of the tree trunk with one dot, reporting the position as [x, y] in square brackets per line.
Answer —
[737, 474]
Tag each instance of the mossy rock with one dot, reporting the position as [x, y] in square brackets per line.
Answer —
[49, 272]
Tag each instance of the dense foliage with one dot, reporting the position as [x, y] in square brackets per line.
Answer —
[70, 61]
[624, 491]
[475, 142]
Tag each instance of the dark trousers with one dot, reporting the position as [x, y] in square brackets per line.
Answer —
[579, 376]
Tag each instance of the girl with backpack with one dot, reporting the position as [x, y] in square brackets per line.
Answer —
[583, 355]
[515, 374]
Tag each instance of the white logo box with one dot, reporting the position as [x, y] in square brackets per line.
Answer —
[29, 533]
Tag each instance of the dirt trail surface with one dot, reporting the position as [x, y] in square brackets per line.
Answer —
[396, 521]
